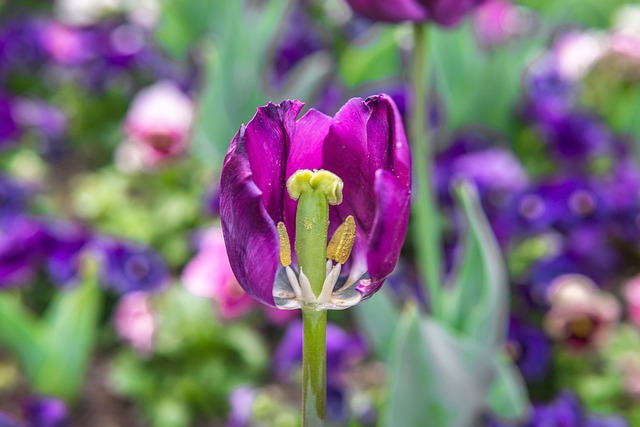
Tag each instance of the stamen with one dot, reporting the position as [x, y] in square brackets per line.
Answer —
[285, 245]
[329, 283]
[341, 243]
[329, 267]
[294, 282]
[305, 286]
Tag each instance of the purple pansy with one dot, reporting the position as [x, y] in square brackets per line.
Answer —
[576, 136]
[530, 349]
[21, 248]
[564, 411]
[557, 202]
[9, 129]
[127, 267]
[46, 412]
[364, 145]
[65, 243]
[443, 12]
[342, 349]
[13, 197]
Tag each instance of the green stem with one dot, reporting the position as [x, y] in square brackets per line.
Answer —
[314, 367]
[425, 209]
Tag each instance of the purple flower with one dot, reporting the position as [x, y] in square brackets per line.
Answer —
[7, 421]
[443, 12]
[129, 267]
[342, 349]
[21, 248]
[241, 402]
[20, 45]
[550, 95]
[298, 40]
[13, 197]
[9, 129]
[46, 412]
[530, 349]
[65, 243]
[365, 146]
[558, 202]
[564, 411]
[578, 136]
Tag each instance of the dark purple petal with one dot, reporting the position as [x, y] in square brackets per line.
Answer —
[249, 232]
[265, 141]
[449, 12]
[65, 242]
[530, 349]
[366, 139]
[390, 10]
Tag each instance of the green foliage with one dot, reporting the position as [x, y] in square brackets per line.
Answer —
[478, 86]
[373, 57]
[54, 350]
[197, 361]
[590, 13]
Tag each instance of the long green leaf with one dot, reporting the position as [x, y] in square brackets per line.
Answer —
[378, 318]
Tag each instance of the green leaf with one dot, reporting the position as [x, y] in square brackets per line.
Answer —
[20, 331]
[378, 318]
[479, 86]
[508, 396]
[373, 57]
[71, 324]
[477, 303]
[435, 377]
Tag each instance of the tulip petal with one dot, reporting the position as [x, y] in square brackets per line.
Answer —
[366, 137]
[266, 139]
[305, 152]
[393, 200]
[250, 234]
[390, 11]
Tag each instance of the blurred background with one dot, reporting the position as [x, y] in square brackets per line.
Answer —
[115, 116]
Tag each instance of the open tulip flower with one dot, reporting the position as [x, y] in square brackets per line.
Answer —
[288, 185]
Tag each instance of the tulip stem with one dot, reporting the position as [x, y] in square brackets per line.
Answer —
[424, 208]
[314, 367]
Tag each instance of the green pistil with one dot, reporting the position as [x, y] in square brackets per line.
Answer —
[314, 190]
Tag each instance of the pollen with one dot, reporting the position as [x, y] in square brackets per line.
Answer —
[285, 246]
[341, 243]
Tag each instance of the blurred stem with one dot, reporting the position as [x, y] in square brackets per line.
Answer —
[314, 367]
[424, 209]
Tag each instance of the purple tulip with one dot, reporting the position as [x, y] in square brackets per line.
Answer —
[129, 267]
[46, 412]
[365, 146]
[443, 12]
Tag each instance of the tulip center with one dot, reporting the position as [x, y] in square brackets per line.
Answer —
[318, 275]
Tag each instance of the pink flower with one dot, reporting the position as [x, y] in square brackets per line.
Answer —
[581, 315]
[497, 21]
[632, 297]
[66, 45]
[209, 275]
[577, 52]
[159, 121]
[135, 323]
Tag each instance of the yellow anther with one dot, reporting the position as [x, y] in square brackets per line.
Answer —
[285, 246]
[321, 180]
[341, 243]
